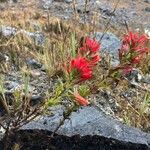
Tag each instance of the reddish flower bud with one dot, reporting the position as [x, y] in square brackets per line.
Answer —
[80, 100]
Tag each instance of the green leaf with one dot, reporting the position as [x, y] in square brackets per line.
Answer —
[84, 90]
[53, 101]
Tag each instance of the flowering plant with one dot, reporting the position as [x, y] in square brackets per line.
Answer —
[81, 66]
[133, 49]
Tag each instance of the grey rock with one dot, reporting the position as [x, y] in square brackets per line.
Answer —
[2, 131]
[135, 75]
[15, 1]
[36, 99]
[4, 58]
[12, 85]
[147, 1]
[38, 37]
[105, 9]
[46, 4]
[146, 78]
[147, 9]
[147, 31]
[68, 1]
[33, 63]
[110, 44]
[89, 121]
[7, 31]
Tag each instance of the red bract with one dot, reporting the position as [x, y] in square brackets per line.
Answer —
[135, 40]
[90, 45]
[90, 49]
[79, 99]
[127, 69]
[79, 63]
[94, 60]
[87, 57]
[82, 66]
[133, 48]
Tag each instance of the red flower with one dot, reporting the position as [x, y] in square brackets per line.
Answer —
[82, 66]
[135, 40]
[90, 45]
[79, 99]
[134, 46]
[91, 50]
[79, 63]
[86, 73]
[83, 63]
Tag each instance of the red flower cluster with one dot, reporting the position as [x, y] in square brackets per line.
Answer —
[133, 49]
[90, 50]
[90, 45]
[81, 64]
[87, 57]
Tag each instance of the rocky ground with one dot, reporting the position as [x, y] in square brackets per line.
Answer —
[33, 19]
[131, 13]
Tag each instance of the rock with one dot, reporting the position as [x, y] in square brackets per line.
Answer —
[2, 131]
[146, 78]
[68, 1]
[33, 63]
[89, 121]
[36, 99]
[110, 44]
[38, 37]
[147, 31]
[42, 140]
[4, 58]
[105, 9]
[147, 1]
[46, 4]
[15, 1]
[135, 75]
[147, 9]
[12, 86]
[7, 32]
[2, 112]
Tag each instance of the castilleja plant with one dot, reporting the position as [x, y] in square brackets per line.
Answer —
[133, 49]
[80, 68]
[87, 57]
